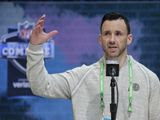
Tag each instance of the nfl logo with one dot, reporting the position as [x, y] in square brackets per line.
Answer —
[25, 30]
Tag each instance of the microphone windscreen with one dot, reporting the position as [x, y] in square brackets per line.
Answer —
[112, 67]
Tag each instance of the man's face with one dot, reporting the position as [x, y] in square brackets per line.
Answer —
[114, 38]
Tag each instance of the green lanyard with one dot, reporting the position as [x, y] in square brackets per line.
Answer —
[130, 89]
[102, 105]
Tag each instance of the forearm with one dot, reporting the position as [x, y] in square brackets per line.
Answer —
[42, 83]
[36, 72]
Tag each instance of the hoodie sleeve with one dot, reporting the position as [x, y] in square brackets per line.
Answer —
[59, 85]
[154, 98]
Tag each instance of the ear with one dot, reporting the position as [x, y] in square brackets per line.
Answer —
[100, 39]
[129, 39]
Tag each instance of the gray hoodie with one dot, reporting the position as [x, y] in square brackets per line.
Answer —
[82, 86]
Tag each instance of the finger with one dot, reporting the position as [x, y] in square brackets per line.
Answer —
[41, 20]
[52, 33]
[41, 24]
[37, 29]
[42, 17]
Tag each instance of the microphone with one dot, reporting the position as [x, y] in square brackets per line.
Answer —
[112, 68]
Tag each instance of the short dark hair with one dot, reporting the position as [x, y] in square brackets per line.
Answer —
[114, 16]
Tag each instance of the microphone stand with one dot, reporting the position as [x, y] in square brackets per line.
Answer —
[112, 69]
[113, 105]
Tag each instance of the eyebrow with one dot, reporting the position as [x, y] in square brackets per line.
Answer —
[114, 31]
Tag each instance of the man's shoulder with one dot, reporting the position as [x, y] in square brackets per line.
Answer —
[142, 68]
[85, 68]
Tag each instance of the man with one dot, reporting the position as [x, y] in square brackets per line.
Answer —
[139, 88]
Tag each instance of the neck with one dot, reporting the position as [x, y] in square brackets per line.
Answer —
[122, 60]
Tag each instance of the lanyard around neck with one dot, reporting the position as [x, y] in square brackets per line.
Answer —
[130, 82]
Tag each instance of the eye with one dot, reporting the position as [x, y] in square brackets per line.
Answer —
[118, 33]
[106, 33]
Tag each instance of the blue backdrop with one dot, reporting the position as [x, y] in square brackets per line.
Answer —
[76, 44]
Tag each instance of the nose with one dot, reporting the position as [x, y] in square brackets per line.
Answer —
[112, 39]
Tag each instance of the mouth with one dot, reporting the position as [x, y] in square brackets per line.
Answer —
[112, 49]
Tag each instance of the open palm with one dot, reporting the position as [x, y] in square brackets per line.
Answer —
[38, 36]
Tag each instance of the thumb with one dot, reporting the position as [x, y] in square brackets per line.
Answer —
[52, 33]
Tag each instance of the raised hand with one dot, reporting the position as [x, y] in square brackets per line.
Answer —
[38, 36]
